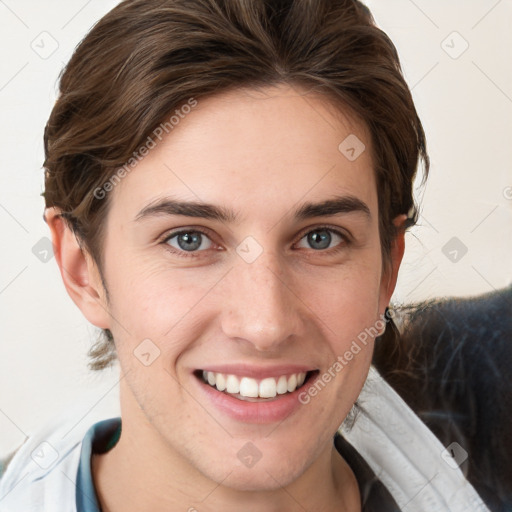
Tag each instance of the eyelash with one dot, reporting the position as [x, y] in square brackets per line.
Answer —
[194, 254]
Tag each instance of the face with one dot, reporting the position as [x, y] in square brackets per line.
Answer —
[244, 248]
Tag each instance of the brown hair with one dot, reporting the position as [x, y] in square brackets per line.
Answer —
[145, 59]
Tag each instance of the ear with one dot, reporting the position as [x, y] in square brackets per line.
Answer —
[79, 272]
[390, 273]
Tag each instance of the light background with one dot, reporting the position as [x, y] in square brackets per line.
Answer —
[464, 100]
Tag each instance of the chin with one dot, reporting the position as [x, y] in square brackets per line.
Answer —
[263, 476]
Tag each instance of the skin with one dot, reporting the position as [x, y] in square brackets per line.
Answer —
[261, 154]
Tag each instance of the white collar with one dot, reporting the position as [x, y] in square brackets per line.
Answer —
[405, 455]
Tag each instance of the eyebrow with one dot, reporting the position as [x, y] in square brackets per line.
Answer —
[329, 207]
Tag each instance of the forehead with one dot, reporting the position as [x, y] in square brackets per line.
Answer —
[258, 151]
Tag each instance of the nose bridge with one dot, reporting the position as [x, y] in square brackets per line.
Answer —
[261, 308]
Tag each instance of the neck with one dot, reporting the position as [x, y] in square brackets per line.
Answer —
[145, 471]
[133, 477]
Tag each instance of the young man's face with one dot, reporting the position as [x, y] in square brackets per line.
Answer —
[278, 287]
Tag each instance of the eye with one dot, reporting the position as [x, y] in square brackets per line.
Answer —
[189, 241]
[321, 239]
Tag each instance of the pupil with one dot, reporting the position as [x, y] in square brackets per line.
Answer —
[189, 242]
[320, 239]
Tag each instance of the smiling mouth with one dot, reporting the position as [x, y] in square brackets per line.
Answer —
[256, 390]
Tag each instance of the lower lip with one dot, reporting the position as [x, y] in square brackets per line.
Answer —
[254, 412]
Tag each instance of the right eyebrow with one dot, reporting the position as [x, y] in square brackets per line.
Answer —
[169, 206]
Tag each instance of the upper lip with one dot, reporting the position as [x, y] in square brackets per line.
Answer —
[257, 372]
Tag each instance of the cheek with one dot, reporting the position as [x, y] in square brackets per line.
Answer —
[346, 301]
[157, 303]
[149, 302]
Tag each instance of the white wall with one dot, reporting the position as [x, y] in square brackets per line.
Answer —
[465, 104]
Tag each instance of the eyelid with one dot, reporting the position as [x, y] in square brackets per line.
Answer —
[187, 229]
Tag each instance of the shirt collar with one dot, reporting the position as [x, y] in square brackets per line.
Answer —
[100, 438]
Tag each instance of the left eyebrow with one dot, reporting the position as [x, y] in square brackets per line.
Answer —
[169, 206]
[335, 206]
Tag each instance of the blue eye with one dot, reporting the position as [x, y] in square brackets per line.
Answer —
[189, 241]
[321, 238]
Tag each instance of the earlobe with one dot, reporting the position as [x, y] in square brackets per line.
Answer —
[79, 272]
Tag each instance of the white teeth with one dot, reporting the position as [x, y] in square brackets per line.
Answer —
[232, 384]
[268, 388]
[292, 383]
[282, 385]
[249, 387]
[220, 382]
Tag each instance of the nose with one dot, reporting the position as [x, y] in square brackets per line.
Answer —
[261, 308]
